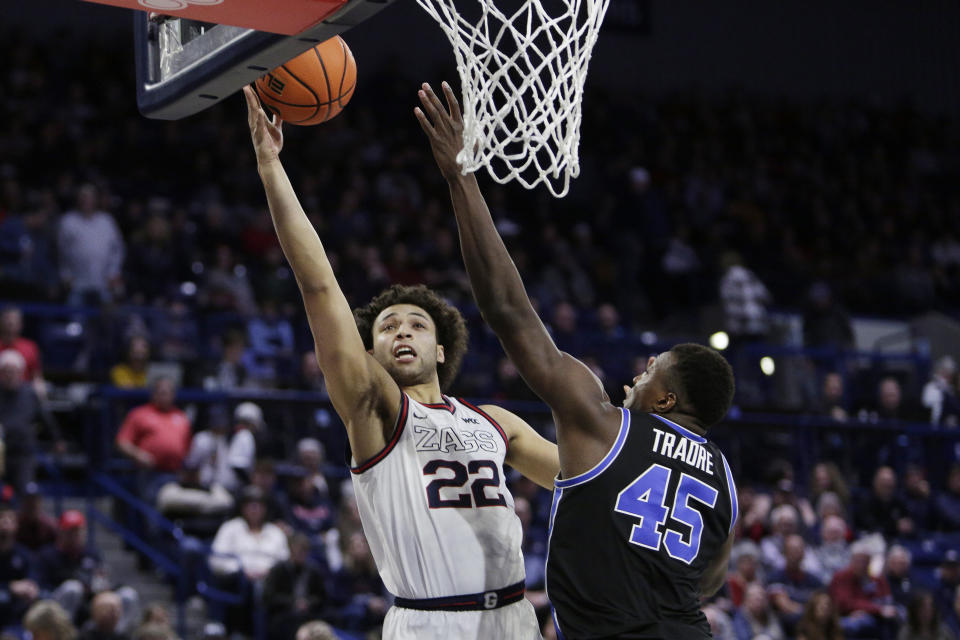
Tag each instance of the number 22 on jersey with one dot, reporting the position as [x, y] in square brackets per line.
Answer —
[646, 499]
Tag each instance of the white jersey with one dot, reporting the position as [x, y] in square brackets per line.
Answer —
[435, 507]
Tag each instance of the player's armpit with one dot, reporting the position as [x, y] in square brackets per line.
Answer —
[528, 452]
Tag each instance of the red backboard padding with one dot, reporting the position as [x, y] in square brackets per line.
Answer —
[288, 17]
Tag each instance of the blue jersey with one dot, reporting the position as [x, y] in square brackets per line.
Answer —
[631, 539]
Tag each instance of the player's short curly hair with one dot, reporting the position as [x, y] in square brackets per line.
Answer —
[705, 379]
[451, 328]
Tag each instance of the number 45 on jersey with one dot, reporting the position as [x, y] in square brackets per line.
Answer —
[645, 499]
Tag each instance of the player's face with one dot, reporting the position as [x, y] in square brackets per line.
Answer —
[649, 386]
[405, 343]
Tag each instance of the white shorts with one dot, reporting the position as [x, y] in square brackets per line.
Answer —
[516, 621]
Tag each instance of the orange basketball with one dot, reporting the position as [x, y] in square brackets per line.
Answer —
[313, 87]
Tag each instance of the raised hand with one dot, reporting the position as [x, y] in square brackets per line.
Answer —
[444, 128]
[267, 134]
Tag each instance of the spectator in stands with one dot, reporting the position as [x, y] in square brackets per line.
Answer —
[792, 587]
[156, 435]
[249, 543]
[271, 343]
[316, 630]
[11, 328]
[226, 456]
[918, 498]
[897, 572]
[132, 372]
[784, 523]
[755, 618]
[264, 477]
[833, 554]
[890, 404]
[924, 620]
[820, 620]
[37, 528]
[308, 510]
[154, 260]
[540, 502]
[73, 573]
[721, 625]
[832, 402]
[828, 505]
[27, 241]
[784, 493]
[746, 570]
[189, 497]
[157, 632]
[940, 393]
[225, 286]
[754, 510]
[948, 502]
[953, 617]
[20, 411]
[356, 588]
[744, 298]
[155, 614]
[250, 438]
[825, 322]
[294, 591]
[883, 511]
[311, 457]
[105, 612]
[563, 326]
[210, 451]
[826, 476]
[310, 376]
[178, 337]
[47, 620]
[91, 251]
[947, 580]
[155, 625]
[863, 600]
[533, 547]
[347, 522]
[18, 590]
[233, 370]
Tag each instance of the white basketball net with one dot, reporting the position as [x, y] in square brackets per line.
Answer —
[522, 107]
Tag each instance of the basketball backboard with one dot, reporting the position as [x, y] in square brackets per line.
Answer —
[191, 54]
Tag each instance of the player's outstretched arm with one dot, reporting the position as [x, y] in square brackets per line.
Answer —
[573, 392]
[362, 392]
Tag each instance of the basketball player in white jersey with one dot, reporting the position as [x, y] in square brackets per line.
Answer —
[427, 469]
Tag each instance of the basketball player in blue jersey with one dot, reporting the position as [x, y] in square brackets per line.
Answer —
[427, 469]
[644, 506]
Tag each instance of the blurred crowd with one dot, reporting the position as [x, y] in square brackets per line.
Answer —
[154, 239]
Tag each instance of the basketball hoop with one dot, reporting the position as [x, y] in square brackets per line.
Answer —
[522, 75]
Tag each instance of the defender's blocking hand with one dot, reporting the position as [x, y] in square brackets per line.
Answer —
[443, 126]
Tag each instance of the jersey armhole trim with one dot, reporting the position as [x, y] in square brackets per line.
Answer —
[397, 431]
[496, 425]
[732, 488]
[608, 459]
